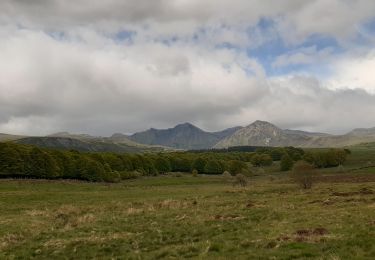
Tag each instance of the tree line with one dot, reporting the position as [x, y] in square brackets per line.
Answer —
[25, 161]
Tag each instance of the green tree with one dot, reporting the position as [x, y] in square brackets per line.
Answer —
[286, 162]
[235, 166]
[213, 167]
[11, 161]
[162, 165]
[199, 164]
[42, 165]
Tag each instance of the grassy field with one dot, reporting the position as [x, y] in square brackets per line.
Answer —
[200, 217]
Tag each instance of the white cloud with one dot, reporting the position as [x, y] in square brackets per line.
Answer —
[354, 71]
[304, 56]
[63, 68]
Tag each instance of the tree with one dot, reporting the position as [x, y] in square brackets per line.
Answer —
[162, 165]
[236, 167]
[261, 160]
[277, 154]
[199, 164]
[213, 167]
[180, 164]
[286, 162]
[11, 162]
[303, 174]
[42, 165]
[113, 161]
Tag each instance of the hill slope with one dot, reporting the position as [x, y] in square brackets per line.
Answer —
[89, 145]
[182, 136]
[261, 133]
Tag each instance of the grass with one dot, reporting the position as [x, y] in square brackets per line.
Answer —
[181, 217]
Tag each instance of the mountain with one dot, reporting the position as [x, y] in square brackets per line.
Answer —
[88, 145]
[261, 133]
[182, 136]
[227, 132]
[299, 132]
[188, 137]
[8, 137]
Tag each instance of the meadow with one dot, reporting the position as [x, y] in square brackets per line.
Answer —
[182, 216]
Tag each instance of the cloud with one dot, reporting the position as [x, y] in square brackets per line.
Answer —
[107, 66]
[304, 56]
[354, 71]
[118, 87]
[301, 102]
[297, 18]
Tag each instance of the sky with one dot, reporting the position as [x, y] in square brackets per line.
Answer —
[99, 67]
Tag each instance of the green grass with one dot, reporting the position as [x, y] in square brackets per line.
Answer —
[179, 217]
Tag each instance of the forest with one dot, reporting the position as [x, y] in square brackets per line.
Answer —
[25, 161]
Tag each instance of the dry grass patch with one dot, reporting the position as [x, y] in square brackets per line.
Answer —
[10, 240]
[69, 216]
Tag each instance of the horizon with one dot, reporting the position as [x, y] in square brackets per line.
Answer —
[125, 66]
[179, 124]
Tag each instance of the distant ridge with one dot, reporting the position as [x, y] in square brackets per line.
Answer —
[182, 136]
[261, 133]
[186, 136]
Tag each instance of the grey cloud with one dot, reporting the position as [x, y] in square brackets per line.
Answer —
[297, 18]
[86, 82]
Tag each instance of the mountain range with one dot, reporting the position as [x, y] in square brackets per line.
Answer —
[189, 137]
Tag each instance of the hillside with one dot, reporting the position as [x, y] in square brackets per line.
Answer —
[261, 133]
[9, 137]
[182, 136]
[87, 144]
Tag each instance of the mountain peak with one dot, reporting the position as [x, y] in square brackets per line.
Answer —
[185, 125]
[262, 124]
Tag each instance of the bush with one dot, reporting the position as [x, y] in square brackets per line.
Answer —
[286, 163]
[226, 175]
[235, 167]
[126, 175]
[162, 165]
[199, 164]
[111, 176]
[213, 167]
[240, 180]
[303, 174]
[261, 160]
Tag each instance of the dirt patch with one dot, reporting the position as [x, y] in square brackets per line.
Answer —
[363, 191]
[320, 231]
[352, 178]
[229, 217]
[305, 235]
[250, 204]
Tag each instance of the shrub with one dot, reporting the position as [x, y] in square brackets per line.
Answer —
[162, 165]
[286, 163]
[213, 167]
[111, 176]
[261, 160]
[199, 164]
[303, 174]
[240, 180]
[235, 167]
[226, 175]
[126, 175]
